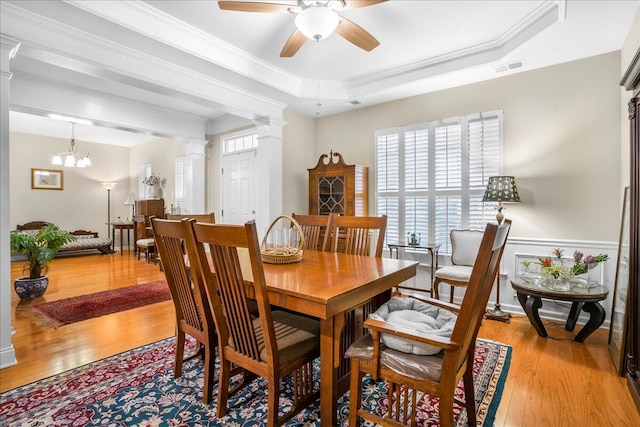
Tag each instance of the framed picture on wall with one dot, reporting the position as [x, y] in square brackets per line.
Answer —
[618, 328]
[47, 179]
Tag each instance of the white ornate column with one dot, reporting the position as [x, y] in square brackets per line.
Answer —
[8, 49]
[270, 164]
[194, 167]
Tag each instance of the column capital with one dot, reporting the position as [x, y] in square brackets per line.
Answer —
[8, 49]
[195, 146]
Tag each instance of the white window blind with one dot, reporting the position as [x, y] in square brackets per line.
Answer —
[431, 176]
[144, 171]
[180, 186]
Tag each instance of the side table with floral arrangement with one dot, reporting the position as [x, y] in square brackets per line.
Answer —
[560, 275]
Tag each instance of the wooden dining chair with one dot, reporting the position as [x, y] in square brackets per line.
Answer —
[275, 344]
[464, 248]
[357, 235]
[193, 312]
[316, 230]
[209, 218]
[437, 374]
[354, 234]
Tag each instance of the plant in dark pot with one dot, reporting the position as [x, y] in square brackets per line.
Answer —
[39, 249]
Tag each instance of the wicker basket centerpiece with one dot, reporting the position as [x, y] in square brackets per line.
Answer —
[286, 250]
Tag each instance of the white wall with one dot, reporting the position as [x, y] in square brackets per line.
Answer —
[561, 134]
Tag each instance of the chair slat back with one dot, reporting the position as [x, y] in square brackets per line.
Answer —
[190, 303]
[209, 218]
[478, 291]
[221, 273]
[315, 228]
[357, 233]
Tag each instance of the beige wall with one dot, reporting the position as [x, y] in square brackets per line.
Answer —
[83, 202]
[161, 153]
[299, 155]
[561, 134]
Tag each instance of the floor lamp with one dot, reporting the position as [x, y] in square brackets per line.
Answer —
[109, 186]
[501, 189]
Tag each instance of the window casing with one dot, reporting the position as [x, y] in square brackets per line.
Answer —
[240, 142]
[144, 171]
[430, 177]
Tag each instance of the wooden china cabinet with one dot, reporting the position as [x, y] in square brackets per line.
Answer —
[631, 81]
[335, 187]
[144, 210]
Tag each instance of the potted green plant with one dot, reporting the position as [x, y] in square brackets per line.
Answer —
[39, 249]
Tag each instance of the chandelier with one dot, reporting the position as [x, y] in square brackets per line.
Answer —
[71, 156]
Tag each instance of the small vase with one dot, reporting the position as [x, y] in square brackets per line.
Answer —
[558, 284]
[28, 289]
[152, 193]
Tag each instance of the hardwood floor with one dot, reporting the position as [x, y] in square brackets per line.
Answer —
[551, 382]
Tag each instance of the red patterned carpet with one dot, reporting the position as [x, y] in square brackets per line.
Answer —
[137, 388]
[76, 309]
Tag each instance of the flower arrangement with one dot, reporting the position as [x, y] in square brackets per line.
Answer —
[582, 264]
[152, 180]
[549, 268]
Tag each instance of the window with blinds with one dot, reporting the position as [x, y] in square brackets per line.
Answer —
[180, 185]
[144, 171]
[430, 177]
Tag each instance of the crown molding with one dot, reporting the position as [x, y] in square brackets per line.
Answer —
[541, 18]
[65, 46]
[144, 19]
[151, 22]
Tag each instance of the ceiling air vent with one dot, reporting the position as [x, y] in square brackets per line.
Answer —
[351, 103]
[508, 67]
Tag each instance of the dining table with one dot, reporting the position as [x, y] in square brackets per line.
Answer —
[329, 286]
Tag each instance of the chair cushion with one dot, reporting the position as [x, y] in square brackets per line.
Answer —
[295, 335]
[411, 365]
[415, 315]
[146, 242]
[454, 272]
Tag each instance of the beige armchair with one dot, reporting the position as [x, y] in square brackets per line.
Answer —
[464, 249]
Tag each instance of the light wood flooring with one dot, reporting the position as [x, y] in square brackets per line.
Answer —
[551, 382]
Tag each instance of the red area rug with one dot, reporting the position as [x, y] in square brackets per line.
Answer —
[77, 309]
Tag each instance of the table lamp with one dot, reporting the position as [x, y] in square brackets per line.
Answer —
[501, 189]
[131, 201]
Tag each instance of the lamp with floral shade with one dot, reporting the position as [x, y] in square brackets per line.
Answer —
[501, 189]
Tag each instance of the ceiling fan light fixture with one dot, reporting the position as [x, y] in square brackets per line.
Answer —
[317, 23]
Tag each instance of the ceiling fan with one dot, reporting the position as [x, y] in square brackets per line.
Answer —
[315, 20]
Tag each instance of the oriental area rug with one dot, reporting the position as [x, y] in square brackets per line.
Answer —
[137, 388]
[76, 309]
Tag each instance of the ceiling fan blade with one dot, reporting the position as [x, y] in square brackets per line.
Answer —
[243, 6]
[357, 35]
[293, 45]
[352, 4]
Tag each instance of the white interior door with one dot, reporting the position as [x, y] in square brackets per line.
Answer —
[239, 172]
